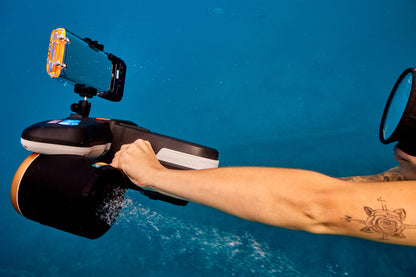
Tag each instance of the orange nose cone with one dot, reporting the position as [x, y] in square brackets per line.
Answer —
[14, 191]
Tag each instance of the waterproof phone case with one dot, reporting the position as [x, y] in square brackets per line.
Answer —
[83, 62]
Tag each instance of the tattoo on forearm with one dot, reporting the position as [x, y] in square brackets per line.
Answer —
[387, 176]
[385, 222]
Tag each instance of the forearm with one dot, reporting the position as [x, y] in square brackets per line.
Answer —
[289, 198]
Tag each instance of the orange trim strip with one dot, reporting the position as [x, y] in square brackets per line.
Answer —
[14, 191]
[56, 52]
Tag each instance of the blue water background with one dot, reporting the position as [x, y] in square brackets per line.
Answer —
[271, 83]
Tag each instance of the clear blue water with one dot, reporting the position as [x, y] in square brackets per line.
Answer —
[276, 83]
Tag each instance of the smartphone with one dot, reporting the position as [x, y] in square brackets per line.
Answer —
[83, 62]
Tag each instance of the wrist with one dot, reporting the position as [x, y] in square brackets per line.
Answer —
[154, 178]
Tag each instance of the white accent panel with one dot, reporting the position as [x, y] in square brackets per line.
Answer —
[57, 149]
[186, 160]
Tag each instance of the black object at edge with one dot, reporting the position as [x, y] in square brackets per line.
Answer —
[403, 126]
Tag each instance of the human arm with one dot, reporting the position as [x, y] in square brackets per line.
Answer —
[289, 198]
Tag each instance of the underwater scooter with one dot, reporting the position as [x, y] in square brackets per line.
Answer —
[67, 183]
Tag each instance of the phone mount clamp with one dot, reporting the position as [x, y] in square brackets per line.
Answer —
[83, 107]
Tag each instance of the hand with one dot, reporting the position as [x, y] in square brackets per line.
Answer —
[138, 161]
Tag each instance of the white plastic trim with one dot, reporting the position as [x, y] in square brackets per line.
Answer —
[57, 149]
[185, 160]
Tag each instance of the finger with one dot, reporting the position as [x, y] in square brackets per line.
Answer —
[114, 162]
[140, 142]
[148, 144]
[145, 144]
[116, 158]
[124, 147]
